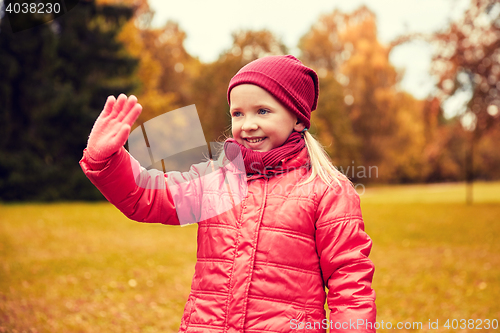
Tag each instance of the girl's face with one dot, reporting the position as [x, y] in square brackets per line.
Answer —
[259, 121]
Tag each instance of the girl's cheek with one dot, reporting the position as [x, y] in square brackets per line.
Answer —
[236, 127]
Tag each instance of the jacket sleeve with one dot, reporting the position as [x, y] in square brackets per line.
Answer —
[343, 248]
[140, 194]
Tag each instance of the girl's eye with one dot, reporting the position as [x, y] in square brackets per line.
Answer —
[236, 114]
[263, 111]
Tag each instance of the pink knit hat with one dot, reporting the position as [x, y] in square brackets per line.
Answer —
[287, 79]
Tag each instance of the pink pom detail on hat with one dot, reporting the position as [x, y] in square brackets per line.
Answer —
[287, 79]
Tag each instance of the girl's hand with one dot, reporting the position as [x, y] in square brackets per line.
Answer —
[112, 127]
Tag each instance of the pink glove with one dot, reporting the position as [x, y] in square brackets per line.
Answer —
[112, 127]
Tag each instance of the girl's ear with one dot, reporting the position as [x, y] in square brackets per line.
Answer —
[299, 126]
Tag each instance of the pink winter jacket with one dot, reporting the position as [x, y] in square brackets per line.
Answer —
[263, 263]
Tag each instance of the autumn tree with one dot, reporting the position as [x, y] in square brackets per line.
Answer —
[384, 122]
[440, 151]
[166, 70]
[466, 63]
[331, 124]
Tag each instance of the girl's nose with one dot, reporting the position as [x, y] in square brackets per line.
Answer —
[249, 124]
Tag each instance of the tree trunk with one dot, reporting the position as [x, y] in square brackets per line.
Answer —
[469, 170]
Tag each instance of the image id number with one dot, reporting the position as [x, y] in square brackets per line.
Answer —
[39, 8]
[477, 324]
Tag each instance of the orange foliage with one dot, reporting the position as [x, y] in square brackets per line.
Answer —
[165, 68]
[387, 124]
[467, 58]
[362, 118]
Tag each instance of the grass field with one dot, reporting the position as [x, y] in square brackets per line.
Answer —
[83, 267]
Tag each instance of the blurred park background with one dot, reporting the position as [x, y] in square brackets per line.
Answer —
[55, 77]
[81, 267]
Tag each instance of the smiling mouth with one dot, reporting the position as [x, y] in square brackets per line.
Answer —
[254, 140]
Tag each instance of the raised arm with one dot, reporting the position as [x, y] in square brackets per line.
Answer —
[150, 195]
[141, 195]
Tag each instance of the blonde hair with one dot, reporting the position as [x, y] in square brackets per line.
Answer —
[321, 164]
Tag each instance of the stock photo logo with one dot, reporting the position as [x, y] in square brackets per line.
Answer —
[26, 14]
[173, 142]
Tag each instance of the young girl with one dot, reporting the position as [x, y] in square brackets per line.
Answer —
[293, 226]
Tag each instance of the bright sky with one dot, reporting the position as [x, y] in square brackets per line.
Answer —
[209, 23]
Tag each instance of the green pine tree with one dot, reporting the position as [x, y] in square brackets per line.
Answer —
[54, 80]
